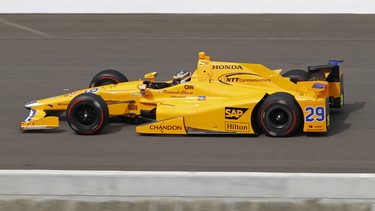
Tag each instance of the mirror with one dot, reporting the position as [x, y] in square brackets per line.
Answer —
[151, 76]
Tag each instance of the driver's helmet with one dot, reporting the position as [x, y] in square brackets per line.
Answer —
[181, 77]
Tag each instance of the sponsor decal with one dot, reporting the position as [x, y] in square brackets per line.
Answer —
[226, 67]
[241, 78]
[315, 129]
[201, 98]
[137, 95]
[62, 104]
[163, 128]
[173, 96]
[189, 87]
[31, 115]
[234, 113]
[319, 86]
[165, 104]
[179, 92]
[112, 101]
[315, 126]
[237, 126]
[93, 90]
[132, 107]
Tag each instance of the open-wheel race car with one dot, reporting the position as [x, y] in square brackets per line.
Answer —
[218, 98]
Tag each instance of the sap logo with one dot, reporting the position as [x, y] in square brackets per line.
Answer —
[227, 67]
[234, 113]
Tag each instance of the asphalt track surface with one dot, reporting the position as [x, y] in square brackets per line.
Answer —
[41, 55]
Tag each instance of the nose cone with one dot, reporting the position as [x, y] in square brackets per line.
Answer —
[31, 104]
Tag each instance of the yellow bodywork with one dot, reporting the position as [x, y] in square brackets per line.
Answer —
[222, 97]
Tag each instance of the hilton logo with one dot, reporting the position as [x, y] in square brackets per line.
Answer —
[239, 127]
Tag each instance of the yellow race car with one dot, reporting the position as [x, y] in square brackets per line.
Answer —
[218, 98]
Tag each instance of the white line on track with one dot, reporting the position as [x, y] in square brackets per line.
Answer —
[198, 38]
[34, 31]
[183, 173]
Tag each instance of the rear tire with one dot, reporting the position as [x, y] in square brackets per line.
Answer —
[87, 114]
[106, 77]
[280, 115]
[296, 75]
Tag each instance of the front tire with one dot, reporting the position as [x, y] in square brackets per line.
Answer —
[87, 114]
[280, 115]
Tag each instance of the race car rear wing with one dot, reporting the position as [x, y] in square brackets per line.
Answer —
[332, 68]
[332, 74]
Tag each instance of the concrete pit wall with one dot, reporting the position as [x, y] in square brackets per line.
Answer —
[190, 7]
[180, 204]
[184, 191]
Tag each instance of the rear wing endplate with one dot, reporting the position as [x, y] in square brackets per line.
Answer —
[332, 68]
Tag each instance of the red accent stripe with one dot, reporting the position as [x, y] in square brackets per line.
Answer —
[109, 77]
[73, 105]
[100, 124]
[294, 124]
[261, 119]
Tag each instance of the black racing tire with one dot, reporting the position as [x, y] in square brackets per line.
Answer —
[87, 114]
[280, 115]
[107, 77]
[296, 75]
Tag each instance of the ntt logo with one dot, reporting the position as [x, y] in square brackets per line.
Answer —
[165, 127]
[227, 67]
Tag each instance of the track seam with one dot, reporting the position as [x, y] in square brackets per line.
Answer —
[25, 28]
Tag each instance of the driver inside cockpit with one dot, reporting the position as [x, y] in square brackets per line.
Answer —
[181, 77]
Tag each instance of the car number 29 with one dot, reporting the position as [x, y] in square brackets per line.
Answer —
[317, 113]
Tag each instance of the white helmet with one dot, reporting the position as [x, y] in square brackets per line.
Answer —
[181, 77]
